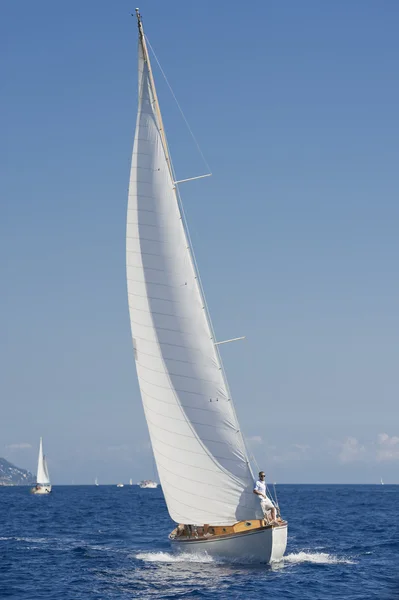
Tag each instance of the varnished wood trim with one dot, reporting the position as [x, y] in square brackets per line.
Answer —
[220, 538]
[186, 533]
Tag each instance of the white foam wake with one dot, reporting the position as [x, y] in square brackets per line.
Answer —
[167, 557]
[320, 558]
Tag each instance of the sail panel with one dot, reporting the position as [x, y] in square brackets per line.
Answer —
[45, 468]
[42, 471]
[198, 447]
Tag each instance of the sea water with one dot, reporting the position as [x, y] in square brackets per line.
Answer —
[100, 543]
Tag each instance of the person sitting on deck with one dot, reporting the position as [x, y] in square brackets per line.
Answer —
[265, 502]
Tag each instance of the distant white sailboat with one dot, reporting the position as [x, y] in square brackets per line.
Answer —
[382, 483]
[199, 449]
[130, 481]
[148, 484]
[96, 481]
[43, 485]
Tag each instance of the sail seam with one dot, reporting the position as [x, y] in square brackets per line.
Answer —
[222, 502]
[186, 436]
[194, 422]
[146, 168]
[149, 210]
[178, 462]
[170, 388]
[179, 360]
[189, 406]
[161, 328]
[154, 298]
[212, 485]
[150, 254]
[161, 314]
[167, 285]
[157, 226]
[151, 268]
[165, 343]
[142, 195]
[190, 451]
[196, 495]
[165, 271]
[179, 375]
[131, 237]
[183, 519]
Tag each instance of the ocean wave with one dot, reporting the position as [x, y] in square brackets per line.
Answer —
[320, 558]
[167, 557]
[24, 539]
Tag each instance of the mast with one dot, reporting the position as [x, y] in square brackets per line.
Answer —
[154, 91]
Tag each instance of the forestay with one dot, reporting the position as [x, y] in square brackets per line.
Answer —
[198, 447]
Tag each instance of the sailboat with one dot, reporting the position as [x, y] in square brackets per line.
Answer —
[382, 483]
[96, 481]
[198, 445]
[43, 485]
[148, 484]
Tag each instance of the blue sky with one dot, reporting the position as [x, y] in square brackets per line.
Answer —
[294, 105]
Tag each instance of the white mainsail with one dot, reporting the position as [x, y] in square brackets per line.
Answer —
[196, 439]
[45, 469]
[42, 470]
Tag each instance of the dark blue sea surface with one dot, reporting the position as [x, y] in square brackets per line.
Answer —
[87, 542]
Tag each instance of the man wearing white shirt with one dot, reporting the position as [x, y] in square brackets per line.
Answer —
[265, 502]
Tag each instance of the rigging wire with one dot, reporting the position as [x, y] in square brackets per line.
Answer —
[178, 106]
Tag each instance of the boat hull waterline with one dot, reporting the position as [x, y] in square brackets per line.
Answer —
[264, 545]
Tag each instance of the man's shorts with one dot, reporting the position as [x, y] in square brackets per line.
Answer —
[266, 504]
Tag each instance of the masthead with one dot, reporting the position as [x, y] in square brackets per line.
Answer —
[139, 23]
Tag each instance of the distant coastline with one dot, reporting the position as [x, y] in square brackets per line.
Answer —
[11, 475]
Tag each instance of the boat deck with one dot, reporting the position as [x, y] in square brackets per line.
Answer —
[193, 532]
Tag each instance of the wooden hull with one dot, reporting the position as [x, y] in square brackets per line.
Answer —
[42, 490]
[262, 544]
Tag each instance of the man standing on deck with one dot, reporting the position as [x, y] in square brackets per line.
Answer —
[265, 502]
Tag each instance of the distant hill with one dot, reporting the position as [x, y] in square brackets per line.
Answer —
[12, 475]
